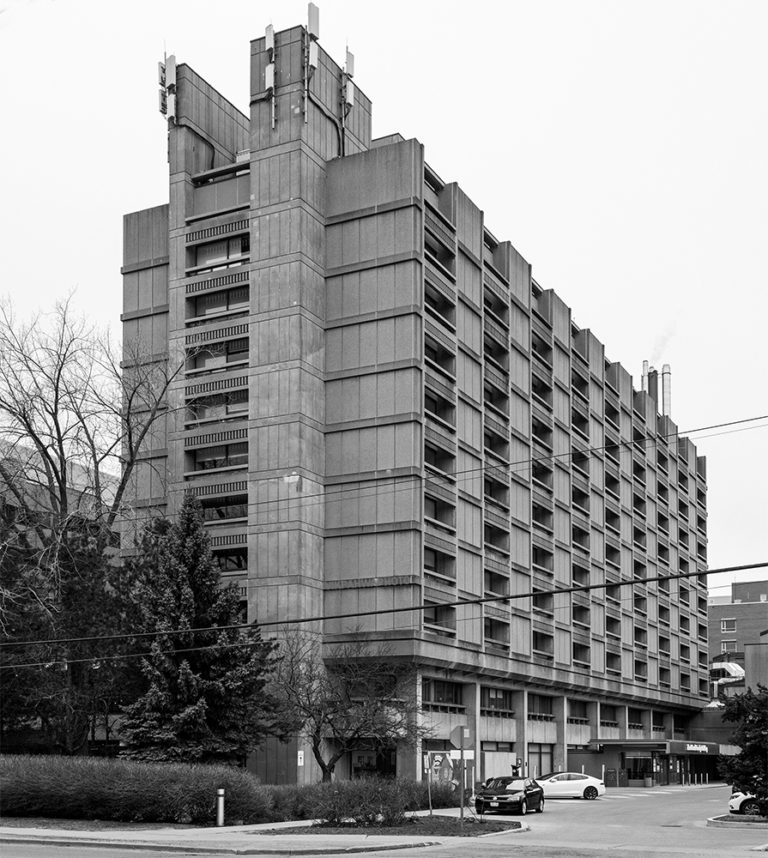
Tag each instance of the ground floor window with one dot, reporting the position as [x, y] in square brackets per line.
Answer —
[539, 759]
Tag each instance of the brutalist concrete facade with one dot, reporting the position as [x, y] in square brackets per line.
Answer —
[379, 407]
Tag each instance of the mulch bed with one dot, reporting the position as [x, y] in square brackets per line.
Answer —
[426, 826]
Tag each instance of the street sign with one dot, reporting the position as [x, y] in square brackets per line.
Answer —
[456, 755]
[461, 737]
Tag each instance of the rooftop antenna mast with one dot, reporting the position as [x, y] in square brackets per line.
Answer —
[347, 95]
[269, 69]
[310, 53]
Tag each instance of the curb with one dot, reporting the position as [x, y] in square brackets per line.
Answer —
[214, 850]
[728, 822]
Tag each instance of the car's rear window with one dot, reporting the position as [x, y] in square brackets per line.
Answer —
[506, 784]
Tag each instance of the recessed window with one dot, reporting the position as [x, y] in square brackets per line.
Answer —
[728, 646]
[496, 699]
[224, 252]
[221, 456]
[222, 509]
[728, 625]
[231, 560]
[437, 691]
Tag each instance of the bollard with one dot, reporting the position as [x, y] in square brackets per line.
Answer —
[219, 808]
[707, 778]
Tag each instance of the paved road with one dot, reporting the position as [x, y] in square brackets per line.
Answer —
[658, 823]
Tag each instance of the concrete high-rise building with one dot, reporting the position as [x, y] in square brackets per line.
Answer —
[380, 407]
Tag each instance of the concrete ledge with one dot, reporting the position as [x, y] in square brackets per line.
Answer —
[735, 821]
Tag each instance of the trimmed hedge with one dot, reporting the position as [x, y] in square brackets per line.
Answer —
[129, 791]
[126, 791]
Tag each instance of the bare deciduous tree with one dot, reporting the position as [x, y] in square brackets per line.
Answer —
[357, 695]
[73, 426]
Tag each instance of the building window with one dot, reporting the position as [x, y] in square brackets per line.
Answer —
[543, 644]
[496, 632]
[438, 564]
[440, 692]
[221, 456]
[221, 302]
[728, 625]
[727, 646]
[225, 508]
[231, 560]
[440, 619]
[224, 252]
[496, 699]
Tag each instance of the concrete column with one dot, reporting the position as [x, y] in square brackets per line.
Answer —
[622, 716]
[593, 713]
[521, 718]
[560, 752]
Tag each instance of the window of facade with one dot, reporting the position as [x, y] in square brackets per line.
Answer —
[581, 654]
[219, 509]
[496, 699]
[439, 691]
[495, 584]
[496, 632]
[728, 646]
[231, 560]
[221, 456]
[214, 254]
[728, 625]
[440, 618]
[223, 301]
[543, 644]
[439, 564]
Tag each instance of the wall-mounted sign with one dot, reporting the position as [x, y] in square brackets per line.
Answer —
[709, 748]
[300, 758]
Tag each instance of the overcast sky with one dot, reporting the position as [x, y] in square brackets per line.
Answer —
[622, 147]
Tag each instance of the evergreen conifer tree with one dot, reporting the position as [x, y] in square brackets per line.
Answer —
[205, 699]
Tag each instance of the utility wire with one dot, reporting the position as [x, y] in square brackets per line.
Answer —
[646, 441]
[579, 588]
[374, 485]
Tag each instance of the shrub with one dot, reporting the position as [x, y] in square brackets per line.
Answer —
[126, 791]
[130, 791]
[374, 801]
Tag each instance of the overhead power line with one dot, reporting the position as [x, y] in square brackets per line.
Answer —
[329, 493]
[579, 588]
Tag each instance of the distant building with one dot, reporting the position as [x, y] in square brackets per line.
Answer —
[383, 409]
[737, 621]
[738, 637]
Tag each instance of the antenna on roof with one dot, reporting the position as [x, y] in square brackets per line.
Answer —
[311, 52]
[269, 69]
[166, 78]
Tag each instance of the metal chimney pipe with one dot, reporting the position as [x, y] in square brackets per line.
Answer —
[653, 385]
[666, 390]
[644, 386]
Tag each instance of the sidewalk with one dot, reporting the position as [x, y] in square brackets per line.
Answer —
[246, 839]
[234, 840]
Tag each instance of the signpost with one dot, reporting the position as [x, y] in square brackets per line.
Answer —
[461, 738]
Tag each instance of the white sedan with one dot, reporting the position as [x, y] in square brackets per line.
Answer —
[570, 785]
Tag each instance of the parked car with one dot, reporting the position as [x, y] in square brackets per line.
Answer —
[742, 802]
[570, 785]
[509, 794]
